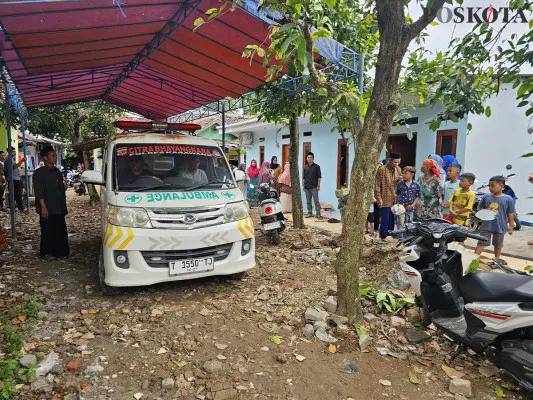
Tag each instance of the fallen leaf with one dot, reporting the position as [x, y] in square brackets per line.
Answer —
[181, 364]
[385, 382]
[332, 348]
[22, 317]
[84, 386]
[74, 365]
[92, 311]
[413, 378]
[275, 339]
[452, 373]
[299, 357]
[499, 392]
[129, 388]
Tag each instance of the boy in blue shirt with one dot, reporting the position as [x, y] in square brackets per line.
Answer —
[503, 206]
[408, 194]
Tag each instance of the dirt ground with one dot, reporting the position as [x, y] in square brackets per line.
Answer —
[210, 338]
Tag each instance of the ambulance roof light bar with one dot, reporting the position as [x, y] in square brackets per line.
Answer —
[156, 126]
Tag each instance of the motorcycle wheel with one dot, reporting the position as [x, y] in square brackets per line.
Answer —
[425, 319]
[106, 290]
[274, 237]
[475, 226]
[517, 223]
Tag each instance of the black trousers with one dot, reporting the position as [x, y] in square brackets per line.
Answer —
[18, 194]
[54, 236]
[2, 192]
[376, 216]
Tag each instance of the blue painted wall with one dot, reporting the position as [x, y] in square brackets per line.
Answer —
[325, 146]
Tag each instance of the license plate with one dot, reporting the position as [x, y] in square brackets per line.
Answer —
[191, 266]
[272, 225]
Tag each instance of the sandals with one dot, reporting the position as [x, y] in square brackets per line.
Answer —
[499, 261]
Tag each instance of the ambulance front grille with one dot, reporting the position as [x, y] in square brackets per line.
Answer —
[180, 218]
[161, 259]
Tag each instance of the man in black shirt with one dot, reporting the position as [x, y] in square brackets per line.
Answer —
[312, 178]
[51, 205]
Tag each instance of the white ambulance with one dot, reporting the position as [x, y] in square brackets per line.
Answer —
[171, 209]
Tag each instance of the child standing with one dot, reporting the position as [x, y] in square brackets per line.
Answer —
[370, 226]
[503, 206]
[462, 201]
[408, 192]
[454, 170]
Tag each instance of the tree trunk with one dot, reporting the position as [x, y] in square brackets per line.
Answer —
[87, 164]
[297, 209]
[369, 142]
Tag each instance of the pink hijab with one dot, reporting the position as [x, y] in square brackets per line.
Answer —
[264, 173]
[285, 177]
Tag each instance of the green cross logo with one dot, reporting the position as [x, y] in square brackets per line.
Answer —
[228, 195]
[133, 199]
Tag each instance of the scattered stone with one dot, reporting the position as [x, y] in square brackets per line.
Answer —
[397, 322]
[348, 367]
[385, 382]
[88, 336]
[263, 296]
[299, 357]
[28, 360]
[364, 342]
[221, 346]
[331, 304]
[51, 363]
[459, 397]
[225, 394]
[312, 315]
[162, 350]
[322, 335]
[488, 371]
[370, 318]
[397, 280]
[320, 325]
[221, 357]
[167, 384]
[308, 331]
[212, 366]
[413, 315]
[41, 386]
[265, 348]
[138, 395]
[338, 319]
[205, 312]
[94, 370]
[451, 372]
[415, 336]
[297, 322]
[241, 388]
[461, 386]
[434, 346]
[282, 358]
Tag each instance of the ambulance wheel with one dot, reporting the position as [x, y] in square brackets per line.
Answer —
[238, 276]
[106, 290]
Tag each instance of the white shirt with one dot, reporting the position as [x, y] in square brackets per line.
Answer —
[199, 176]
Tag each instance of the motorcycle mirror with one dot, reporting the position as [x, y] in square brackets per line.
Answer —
[508, 167]
[486, 215]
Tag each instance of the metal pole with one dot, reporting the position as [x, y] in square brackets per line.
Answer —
[27, 178]
[11, 184]
[224, 129]
[361, 74]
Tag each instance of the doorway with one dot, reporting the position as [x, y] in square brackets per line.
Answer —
[261, 156]
[285, 154]
[306, 149]
[342, 163]
[407, 148]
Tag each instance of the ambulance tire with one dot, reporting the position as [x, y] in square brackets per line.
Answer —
[106, 290]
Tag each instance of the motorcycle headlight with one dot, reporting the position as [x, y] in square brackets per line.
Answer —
[128, 217]
[235, 211]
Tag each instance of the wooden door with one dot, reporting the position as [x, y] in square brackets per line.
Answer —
[407, 148]
[306, 149]
[285, 155]
[261, 156]
[446, 142]
[342, 163]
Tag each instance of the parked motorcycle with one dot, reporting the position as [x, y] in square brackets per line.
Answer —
[491, 313]
[79, 186]
[475, 222]
[271, 213]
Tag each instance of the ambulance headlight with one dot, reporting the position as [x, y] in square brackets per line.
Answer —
[128, 217]
[235, 211]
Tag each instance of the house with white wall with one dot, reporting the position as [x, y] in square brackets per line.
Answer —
[492, 144]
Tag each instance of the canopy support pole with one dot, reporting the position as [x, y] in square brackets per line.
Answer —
[11, 184]
[26, 176]
[224, 129]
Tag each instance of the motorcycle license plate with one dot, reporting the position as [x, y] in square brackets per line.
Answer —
[191, 266]
[272, 225]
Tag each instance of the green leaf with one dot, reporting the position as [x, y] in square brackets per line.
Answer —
[330, 3]
[523, 102]
[287, 42]
[529, 112]
[275, 339]
[211, 11]
[469, 127]
[198, 21]
[499, 392]
[380, 297]
[487, 111]
[322, 91]
[129, 388]
[474, 266]
[413, 378]
[527, 155]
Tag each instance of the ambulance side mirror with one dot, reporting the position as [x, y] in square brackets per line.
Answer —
[92, 177]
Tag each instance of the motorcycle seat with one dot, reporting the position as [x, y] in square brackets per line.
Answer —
[492, 286]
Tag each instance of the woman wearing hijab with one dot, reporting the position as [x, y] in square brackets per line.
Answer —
[253, 180]
[432, 190]
[449, 160]
[275, 171]
[440, 162]
[241, 178]
[264, 173]
[285, 189]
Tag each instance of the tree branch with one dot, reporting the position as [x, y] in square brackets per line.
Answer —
[414, 29]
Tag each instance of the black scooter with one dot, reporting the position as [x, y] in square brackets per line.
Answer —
[271, 213]
[489, 312]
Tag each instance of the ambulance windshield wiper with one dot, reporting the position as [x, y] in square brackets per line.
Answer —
[230, 184]
[147, 188]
